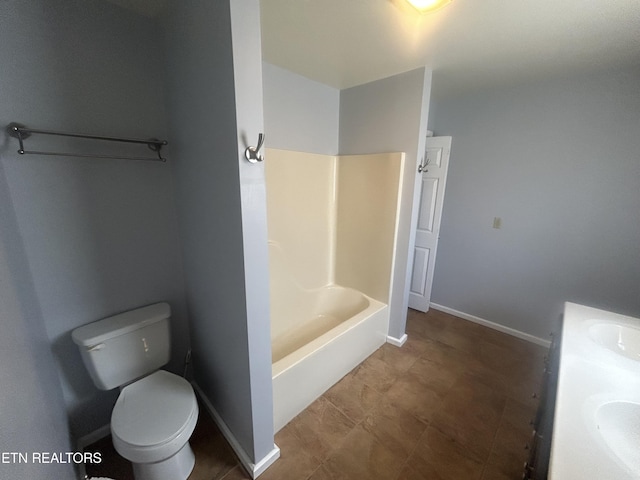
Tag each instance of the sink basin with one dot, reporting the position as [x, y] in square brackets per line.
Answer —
[621, 339]
[619, 425]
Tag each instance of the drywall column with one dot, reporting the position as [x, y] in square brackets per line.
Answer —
[247, 63]
[215, 106]
[389, 115]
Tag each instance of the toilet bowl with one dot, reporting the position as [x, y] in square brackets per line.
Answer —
[151, 424]
[156, 411]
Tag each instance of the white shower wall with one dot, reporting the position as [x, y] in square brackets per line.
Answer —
[302, 186]
[333, 225]
[333, 220]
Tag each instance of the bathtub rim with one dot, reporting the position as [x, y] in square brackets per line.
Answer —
[332, 300]
[309, 349]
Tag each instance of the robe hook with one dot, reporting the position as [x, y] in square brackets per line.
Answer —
[252, 154]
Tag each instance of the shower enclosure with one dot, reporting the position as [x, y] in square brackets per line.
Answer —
[333, 225]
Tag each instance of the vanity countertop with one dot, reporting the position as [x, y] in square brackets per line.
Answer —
[596, 432]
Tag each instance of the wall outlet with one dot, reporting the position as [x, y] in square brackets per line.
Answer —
[497, 222]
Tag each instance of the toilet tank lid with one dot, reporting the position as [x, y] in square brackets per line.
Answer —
[111, 327]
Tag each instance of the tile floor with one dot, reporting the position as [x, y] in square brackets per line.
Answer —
[454, 403]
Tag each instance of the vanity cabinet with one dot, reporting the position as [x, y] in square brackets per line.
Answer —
[537, 467]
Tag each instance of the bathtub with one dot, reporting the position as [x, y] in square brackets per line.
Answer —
[333, 227]
[327, 332]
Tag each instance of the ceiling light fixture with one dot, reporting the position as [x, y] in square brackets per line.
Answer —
[428, 6]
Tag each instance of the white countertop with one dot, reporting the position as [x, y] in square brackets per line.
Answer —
[591, 376]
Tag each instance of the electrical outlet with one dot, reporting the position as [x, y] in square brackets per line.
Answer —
[497, 222]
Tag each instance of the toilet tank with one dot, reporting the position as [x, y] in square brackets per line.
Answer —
[120, 349]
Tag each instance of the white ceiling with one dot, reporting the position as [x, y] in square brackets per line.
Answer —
[469, 43]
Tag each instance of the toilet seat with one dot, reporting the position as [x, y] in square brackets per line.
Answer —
[154, 417]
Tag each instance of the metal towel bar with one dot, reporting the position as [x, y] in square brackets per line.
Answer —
[21, 132]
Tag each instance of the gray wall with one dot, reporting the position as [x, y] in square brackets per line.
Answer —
[389, 115]
[207, 105]
[558, 162]
[32, 416]
[98, 236]
[299, 114]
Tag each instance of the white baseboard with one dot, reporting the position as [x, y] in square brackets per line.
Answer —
[398, 342]
[254, 469]
[495, 326]
[92, 437]
[266, 461]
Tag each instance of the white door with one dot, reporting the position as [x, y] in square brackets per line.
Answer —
[434, 178]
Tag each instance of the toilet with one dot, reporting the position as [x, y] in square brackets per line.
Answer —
[156, 411]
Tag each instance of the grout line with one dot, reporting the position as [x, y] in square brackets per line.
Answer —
[232, 469]
[314, 471]
[495, 437]
[402, 467]
[355, 423]
[339, 443]
[413, 450]
[397, 373]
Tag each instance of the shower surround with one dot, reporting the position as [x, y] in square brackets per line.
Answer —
[333, 227]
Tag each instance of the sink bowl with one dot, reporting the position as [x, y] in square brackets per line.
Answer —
[621, 339]
[619, 425]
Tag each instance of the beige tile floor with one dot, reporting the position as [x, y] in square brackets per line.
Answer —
[454, 403]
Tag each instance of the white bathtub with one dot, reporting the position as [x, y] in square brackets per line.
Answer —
[333, 225]
[340, 328]
[318, 312]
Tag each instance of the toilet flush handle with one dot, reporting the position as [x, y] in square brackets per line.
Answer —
[94, 348]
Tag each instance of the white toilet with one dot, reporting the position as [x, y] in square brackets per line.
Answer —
[156, 411]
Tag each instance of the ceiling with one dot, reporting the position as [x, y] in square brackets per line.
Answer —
[469, 43]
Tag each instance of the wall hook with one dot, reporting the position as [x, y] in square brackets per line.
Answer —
[423, 166]
[252, 154]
